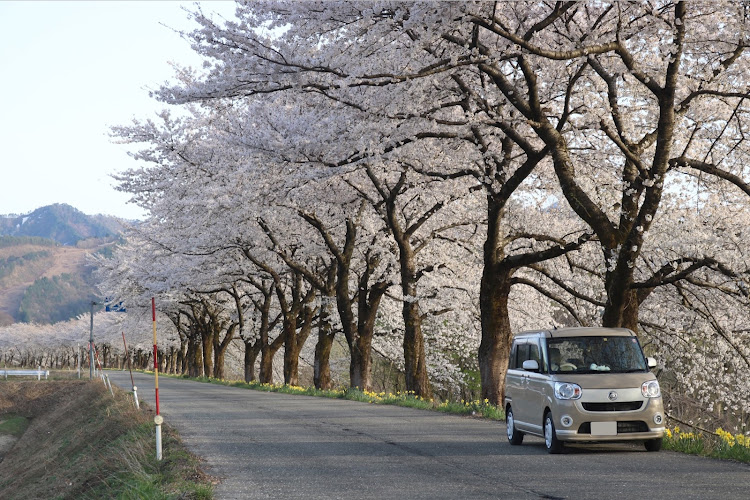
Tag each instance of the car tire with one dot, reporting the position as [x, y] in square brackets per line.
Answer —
[515, 437]
[551, 442]
[653, 444]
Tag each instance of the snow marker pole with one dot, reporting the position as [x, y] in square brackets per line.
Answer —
[158, 419]
[132, 382]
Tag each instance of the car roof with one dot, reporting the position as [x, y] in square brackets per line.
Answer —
[578, 331]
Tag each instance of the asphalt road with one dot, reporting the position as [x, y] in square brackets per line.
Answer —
[276, 446]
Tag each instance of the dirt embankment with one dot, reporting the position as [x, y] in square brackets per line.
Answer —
[31, 401]
[83, 443]
[68, 420]
[6, 443]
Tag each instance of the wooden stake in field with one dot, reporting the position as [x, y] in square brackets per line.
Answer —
[158, 418]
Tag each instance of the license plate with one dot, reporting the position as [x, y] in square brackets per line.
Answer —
[603, 428]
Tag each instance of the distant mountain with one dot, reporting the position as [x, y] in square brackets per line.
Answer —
[42, 281]
[61, 223]
[44, 273]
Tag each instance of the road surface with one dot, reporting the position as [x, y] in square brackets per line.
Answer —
[277, 446]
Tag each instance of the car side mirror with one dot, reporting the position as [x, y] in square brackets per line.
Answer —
[651, 362]
[531, 365]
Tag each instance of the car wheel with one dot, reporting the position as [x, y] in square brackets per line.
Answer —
[553, 444]
[653, 444]
[515, 436]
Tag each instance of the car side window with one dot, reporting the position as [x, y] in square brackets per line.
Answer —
[522, 351]
[534, 353]
[512, 365]
[522, 354]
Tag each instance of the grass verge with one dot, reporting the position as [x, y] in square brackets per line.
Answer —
[720, 444]
[82, 443]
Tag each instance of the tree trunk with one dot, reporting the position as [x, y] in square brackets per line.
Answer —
[358, 335]
[220, 348]
[415, 364]
[494, 347]
[630, 314]
[322, 369]
[251, 354]
[208, 348]
[322, 365]
[195, 357]
[182, 361]
[291, 350]
[268, 351]
[266, 365]
[414, 354]
[360, 368]
[219, 355]
[291, 357]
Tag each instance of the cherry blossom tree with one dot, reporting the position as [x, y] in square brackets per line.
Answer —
[446, 117]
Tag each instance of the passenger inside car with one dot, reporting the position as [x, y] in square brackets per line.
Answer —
[554, 358]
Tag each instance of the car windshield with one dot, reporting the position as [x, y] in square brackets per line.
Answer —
[595, 355]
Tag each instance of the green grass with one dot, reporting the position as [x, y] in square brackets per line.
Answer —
[14, 425]
[141, 475]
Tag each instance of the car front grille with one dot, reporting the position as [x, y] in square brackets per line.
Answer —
[631, 426]
[618, 406]
[623, 427]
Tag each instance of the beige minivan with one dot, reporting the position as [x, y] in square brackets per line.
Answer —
[582, 385]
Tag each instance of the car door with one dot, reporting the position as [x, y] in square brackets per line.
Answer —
[535, 386]
[521, 408]
[515, 378]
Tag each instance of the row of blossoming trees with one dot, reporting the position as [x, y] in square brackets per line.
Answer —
[423, 179]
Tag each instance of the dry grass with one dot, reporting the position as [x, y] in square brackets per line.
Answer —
[83, 443]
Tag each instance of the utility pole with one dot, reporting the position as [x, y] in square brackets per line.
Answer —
[91, 343]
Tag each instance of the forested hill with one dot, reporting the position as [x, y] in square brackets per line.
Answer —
[44, 275]
[61, 223]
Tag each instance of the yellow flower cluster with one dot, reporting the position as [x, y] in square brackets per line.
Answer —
[678, 434]
[731, 440]
[727, 438]
[380, 396]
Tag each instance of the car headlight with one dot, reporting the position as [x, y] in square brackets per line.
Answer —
[566, 390]
[650, 389]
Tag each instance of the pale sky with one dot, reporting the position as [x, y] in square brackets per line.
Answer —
[69, 71]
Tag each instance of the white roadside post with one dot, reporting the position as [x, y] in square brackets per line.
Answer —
[158, 420]
[109, 384]
[130, 369]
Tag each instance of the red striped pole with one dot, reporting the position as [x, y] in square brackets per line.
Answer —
[158, 420]
[156, 363]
